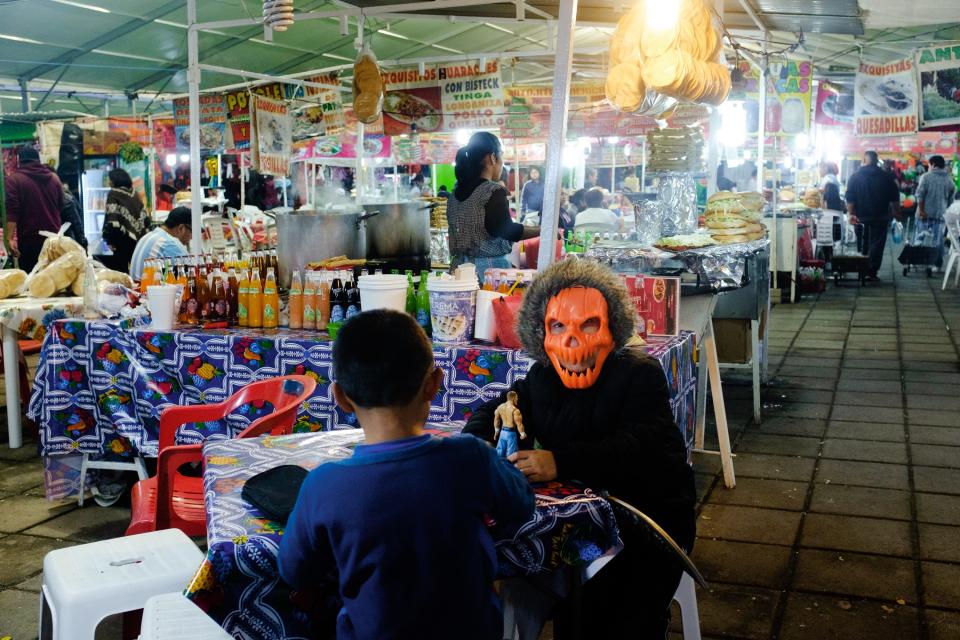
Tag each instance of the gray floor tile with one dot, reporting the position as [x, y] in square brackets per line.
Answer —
[935, 418]
[939, 542]
[935, 403]
[849, 533]
[934, 455]
[864, 474]
[85, 525]
[869, 374]
[855, 574]
[23, 557]
[870, 399]
[779, 445]
[826, 617]
[747, 524]
[783, 395]
[943, 625]
[805, 410]
[789, 426]
[895, 452]
[867, 414]
[20, 512]
[721, 561]
[934, 435]
[936, 480]
[938, 508]
[758, 465]
[759, 492]
[729, 611]
[886, 387]
[866, 431]
[941, 584]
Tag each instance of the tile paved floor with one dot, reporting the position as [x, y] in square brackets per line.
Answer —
[845, 522]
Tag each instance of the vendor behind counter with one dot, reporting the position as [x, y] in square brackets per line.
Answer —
[481, 230]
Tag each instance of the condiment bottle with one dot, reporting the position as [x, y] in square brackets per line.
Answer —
[255, 308]
[171, 277]
[295, 302]
[322, 304]
[233, 294]
[219, 305]
[271, 301]
[243, 299]
[188, 304]
[309, 312]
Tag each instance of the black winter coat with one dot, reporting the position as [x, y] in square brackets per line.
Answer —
[618, 435]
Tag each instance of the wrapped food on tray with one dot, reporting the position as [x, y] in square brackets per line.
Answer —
[11, 281]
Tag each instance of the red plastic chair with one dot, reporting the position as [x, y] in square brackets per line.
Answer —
[171, 500]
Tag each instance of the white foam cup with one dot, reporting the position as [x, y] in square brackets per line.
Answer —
[162, 303]
[384, 291]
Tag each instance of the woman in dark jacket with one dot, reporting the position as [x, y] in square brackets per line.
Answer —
[480, 228]
[125, 220]
[531, 196]
[70, 212]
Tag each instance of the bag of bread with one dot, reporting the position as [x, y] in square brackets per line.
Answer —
[11, 281]
[103, 275]
[56, 276]
[368, 87]
[55, 245]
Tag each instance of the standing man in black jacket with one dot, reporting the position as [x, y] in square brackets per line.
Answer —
[598, 412]
[871, 195]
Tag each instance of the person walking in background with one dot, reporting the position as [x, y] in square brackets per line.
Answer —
[34, 200]
[871, 193]
[125, 221]
[531, 197]
[935, 190]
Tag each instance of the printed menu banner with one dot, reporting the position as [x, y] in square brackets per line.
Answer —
[329, 100]
[834, 103]
[938, 73]
[273, 136]
[238, 119]
[213, 122]
[789, 90]
[443, 98]
[657, 301]
[341, 147]
[885, 99]
[926, 143]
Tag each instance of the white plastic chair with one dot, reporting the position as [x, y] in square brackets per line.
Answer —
[686, 597]
[82, 585]
[172, 617]
[953, 260]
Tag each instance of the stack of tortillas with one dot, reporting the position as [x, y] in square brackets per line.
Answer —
[679, 61]
[735, 217]
[679, 149]
[368, 87]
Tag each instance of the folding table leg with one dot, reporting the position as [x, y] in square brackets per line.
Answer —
[719, 409]
[11, 374]
[701, 415]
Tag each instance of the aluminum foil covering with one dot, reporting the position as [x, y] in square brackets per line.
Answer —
[439, 246]
[721, 266]
[678, 193]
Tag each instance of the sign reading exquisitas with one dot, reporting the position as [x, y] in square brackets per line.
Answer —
[885, 99]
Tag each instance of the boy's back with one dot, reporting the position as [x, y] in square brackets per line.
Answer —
[401, 526]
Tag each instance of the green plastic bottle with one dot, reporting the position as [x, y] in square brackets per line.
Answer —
[411, 295]
[423, 303]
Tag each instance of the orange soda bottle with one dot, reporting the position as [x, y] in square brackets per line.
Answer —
[271, 301]
[255, 302]
[295, 304]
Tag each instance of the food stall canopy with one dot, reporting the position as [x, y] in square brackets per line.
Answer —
[117, 46]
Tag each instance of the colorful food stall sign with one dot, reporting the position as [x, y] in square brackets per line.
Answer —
[238, 119]
[431, 149]
[938, 76]
[443, 98]
[834, 103]
[341, 147]
[213, 122]
[885, 99]
[326, 110]
[923, 143]
[789, 90]
[272, 136]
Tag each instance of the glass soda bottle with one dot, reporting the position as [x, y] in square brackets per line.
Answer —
[353, 298]
[271, 301]
[322, 302]
[308, 318]
[255, 302]
[338, 300]
[243, 299]
[295, 302]
[411, 307]
[423, 303]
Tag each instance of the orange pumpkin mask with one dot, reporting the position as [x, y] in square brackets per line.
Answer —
[578, 338]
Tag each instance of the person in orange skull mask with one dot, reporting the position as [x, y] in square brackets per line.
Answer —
[598, 411]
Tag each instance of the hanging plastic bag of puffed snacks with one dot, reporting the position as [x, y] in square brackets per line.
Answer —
[368, 88]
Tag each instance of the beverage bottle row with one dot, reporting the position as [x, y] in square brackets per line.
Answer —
[505, 281]
[321, 298]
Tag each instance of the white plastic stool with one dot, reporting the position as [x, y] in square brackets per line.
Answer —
[82, 585]
[686, 597]
[173, 617]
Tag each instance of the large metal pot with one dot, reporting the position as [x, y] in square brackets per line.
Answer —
[400, 233]
[307, 236]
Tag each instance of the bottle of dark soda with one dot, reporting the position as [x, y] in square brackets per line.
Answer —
[353, 299]
[338, 300]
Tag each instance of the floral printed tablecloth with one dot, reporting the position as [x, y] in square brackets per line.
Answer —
[31, 317]
[100, 386]
[239, 584]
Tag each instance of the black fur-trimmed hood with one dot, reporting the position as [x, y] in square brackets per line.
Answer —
[563, 275]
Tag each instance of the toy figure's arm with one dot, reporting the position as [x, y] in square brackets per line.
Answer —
[518, 423]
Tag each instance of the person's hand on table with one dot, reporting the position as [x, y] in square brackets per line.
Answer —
[538, 465]
[14, 249]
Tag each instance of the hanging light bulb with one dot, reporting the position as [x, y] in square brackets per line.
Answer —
[277, 14]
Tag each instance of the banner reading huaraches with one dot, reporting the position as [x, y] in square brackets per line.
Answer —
[885, 99]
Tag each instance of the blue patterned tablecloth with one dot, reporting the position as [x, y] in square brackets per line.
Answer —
[239, 583]
[100, 386]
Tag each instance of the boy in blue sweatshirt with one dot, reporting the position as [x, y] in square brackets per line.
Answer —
[400, 525]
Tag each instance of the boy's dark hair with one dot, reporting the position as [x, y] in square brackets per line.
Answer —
[120, 179]
[594, 198]
[380, 358]
[938, 162]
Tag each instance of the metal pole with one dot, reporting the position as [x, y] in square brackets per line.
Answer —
[643, 164]
[516, 179]
[358, 178]
[613, 171]
[193, 81]
[24, 97]
[559, 105]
